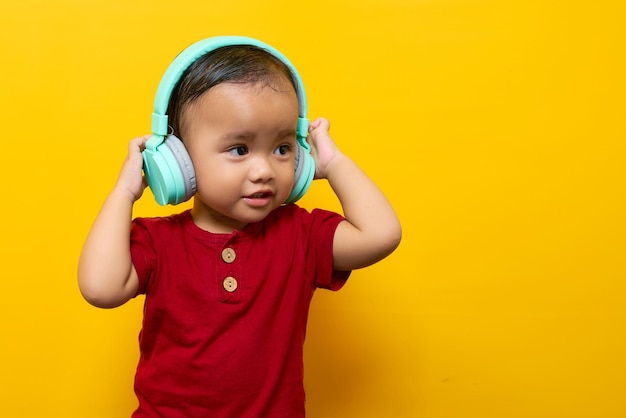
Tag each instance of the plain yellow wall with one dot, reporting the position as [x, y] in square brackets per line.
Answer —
[495, 127]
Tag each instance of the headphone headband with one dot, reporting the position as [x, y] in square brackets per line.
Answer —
[200, 48]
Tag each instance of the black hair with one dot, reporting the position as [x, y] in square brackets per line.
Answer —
[243, 64]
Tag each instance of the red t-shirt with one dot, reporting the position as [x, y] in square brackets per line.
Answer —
[225, 314]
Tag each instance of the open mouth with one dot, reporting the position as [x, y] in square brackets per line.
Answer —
[261, 195]
[259, 200]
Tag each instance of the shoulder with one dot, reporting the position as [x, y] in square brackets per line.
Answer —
[163, 221]
[159, 228]
[293, 219]
[296, 214]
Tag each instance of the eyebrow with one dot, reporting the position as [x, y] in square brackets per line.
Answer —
[250, 135]
[239, 136]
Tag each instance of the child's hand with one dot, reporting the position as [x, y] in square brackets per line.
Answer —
[131, 180]
[323, 148]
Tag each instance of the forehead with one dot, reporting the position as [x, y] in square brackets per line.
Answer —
[253, 107]
[244, 95]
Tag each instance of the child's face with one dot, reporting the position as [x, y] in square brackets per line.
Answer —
[241, 139]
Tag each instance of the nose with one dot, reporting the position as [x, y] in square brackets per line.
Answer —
[261, 169]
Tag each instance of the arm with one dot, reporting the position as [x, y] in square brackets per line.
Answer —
[106, 276]
[371, 230]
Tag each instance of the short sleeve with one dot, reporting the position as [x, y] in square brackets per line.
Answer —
[142, 253]
[323, 227]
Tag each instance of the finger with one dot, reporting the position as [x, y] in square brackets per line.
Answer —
[315, 124]
[138, 143]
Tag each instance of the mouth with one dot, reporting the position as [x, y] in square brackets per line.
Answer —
[259, 195]
[260, 199]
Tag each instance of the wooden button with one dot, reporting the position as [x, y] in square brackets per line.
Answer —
[228, 255]
[230, 284]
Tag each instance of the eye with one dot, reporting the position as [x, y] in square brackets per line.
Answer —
[283, 149]
[238, 151]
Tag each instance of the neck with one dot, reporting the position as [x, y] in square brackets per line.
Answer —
[209, 220]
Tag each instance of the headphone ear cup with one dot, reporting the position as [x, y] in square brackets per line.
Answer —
[169, 170]
[303, 174]
[185, 165]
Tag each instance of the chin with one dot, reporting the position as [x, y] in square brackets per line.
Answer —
[257, 216]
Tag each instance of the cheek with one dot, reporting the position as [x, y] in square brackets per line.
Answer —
[210, 174]
[288, 175]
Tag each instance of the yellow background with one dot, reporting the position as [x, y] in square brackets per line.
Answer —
[495, 127]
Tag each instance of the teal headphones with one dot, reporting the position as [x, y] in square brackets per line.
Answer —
[166, 163]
